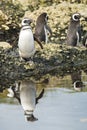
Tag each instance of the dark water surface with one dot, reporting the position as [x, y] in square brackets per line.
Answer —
[60, 108]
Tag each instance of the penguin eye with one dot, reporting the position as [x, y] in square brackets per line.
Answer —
[25, 21]
[76, 17]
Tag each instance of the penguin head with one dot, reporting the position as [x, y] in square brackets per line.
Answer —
[29, 116]
[43, 18]
[78, 85]
[26, 22]
[76, 17]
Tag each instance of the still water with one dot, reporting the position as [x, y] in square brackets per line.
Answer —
[58, 107]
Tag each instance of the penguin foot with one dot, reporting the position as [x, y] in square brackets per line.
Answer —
[25, 59]
[22, 59]
[30, 62]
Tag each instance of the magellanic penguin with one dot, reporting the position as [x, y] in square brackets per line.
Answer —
[41, 28]
[26, 97]
[84, 41]
[26, 40]
[74, 30]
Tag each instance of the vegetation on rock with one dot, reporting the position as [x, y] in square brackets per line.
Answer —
[53, 60]
[10, 18]
[59, 16]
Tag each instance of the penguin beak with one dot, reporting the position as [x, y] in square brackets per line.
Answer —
[79, 16]
[30, 21]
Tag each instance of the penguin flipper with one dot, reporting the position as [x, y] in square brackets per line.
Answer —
[40, 96]
[18, 98]
[49, 29]
[38, 41]
[84, 40]
[79, 30]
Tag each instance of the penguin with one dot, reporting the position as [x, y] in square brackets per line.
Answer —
[74, 30]
[41, 28]
[26, 97]
[26, 40]
[84, 41]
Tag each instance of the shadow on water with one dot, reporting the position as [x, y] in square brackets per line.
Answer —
[60, 103]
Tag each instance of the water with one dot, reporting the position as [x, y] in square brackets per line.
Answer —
[59, 108]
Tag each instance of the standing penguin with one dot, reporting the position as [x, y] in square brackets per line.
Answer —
[42, 29]
[26, 40]
[74, 30]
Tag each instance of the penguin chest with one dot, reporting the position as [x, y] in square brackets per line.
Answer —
[46, 34]
[28, 98]
[26, 43]
[78, 38]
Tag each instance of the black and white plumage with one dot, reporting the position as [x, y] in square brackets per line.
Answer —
[84, 41]
[28, 99]
[74, 30]
[26, 40]
[41, 28]
[25, 93]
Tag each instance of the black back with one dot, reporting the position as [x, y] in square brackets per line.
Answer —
[39, 29]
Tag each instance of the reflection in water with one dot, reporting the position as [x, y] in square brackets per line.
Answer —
[78, 85]
[77, 81]
[25, 93]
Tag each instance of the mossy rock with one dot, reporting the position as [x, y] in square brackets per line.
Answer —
[53, 60]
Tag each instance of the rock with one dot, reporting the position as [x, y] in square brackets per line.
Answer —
[53, 60]
[5, 45]
[56, 59]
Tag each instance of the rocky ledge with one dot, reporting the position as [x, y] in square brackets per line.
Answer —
[53, 60]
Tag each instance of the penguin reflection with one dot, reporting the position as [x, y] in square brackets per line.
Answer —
[77, 81]
[27, 98]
